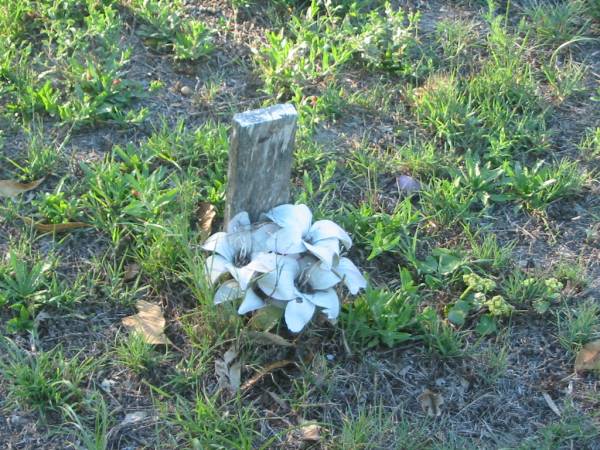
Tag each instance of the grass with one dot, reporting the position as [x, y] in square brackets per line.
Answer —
[482, 282]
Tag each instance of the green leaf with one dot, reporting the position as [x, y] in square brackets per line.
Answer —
[486, 325]
[457, 316]
[265, 318]
[393, 338]
[430, 265]
[458, 312]
[448, 264]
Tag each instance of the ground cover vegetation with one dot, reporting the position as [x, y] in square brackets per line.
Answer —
[456, 142]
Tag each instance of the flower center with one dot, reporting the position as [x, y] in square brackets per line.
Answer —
[242, 258]
[302, 281]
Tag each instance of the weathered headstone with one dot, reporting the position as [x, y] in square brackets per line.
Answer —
[260, 160]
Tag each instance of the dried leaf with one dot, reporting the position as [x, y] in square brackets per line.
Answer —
[10, 188]
[59, 227]
[588, 357]
[229, 371]
[149, 321]
[206, 215]
[430, 402]
[55, 227]
[266, 338]
[133, 418]
[131, 272]
[551, 404]
[310, 432]
[265, 318]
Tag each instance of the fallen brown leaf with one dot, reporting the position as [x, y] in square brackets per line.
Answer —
[206, 215]
[133, 418]
[10, 188]
[55, 227]
[149, 321]
[430, 402]
[228, 370]
[310, 432]
[588, 357]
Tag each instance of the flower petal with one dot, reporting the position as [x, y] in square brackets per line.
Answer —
[240, 243]
[298, 313]
[243, 275]
[230, 290]
[318, 277]
[263, 262]
[291, 216]
[261, 235]
[219, 243]
[279, 283]
[325, 229]
[328, 300]
[327, 250]
[215, 266]
[351, 276]
[251, 302]
[286, 241]
[239, 222]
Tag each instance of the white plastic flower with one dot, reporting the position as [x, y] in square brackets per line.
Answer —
[304, 284]
[230, 290]
[292, 263]
[240, 251]
[298, 234]
[350, 275]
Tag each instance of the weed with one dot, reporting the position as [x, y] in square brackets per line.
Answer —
[44, 381]
[317, 48]
[487, 252]
[439, 335]
[381, 232]
[56, 208]
[166, 29]
[203, 423]
[95, 436]
[27, 286]
[125, 193]
[578, 325]
[555, 23]
[136, 354]
[538, 292]
[572, 430]
[590, 145]
[388, 40]
[442, 106]
[456, 39]
[447, 203]
[86, 81]
[566, 80]
[537, 187]
[379, 428]
[382, 317]
[40, 158]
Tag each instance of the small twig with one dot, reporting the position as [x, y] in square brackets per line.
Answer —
[266, 371]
